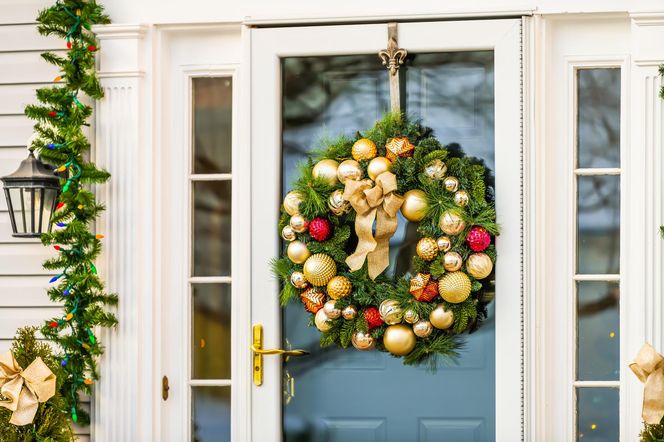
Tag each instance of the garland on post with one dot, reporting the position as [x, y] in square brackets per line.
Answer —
[61, 117]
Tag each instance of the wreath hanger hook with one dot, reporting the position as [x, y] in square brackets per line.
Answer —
[393, 57]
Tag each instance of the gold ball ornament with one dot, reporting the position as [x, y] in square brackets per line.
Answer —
[399, 147]
[427, 249]
[451, 222]
[313, 299]
[331, 309]
[479, 265]
[415, 205]
[390, 312]
[444, 243]
[362, 341]
[339, 287]
[436, 169]
[349, 312]
[322, 321]
[441, 318]
[326, 169]
[452, 261]
[410, 316]
[288, 234]
[298, 252]
[349, 170]
[298, 223]
[399, 339]
[364, 149]
[319, 269]
[298, 280]
[451, 184]
[454, 287]
[422, 329]
[461, 198]
[377, 166]
[337, 204]
[292, 203]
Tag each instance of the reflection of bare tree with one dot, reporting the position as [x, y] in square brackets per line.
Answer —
[607, 302]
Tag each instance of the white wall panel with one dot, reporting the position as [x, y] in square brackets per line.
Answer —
[26, 38]
[21, 11]
[12, 319]
[23, 259]
[24, 291]
[15, 130]
[25, 67]
[14, 97]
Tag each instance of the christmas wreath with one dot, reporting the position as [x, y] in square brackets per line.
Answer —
[338, 219]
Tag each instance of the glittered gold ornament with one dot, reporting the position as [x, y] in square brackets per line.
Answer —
[349, 170]
[313, 299]
[441, 318]
[292, 203]
[451, 184]
[298, 252]
[288, 234]
[364, 149]
[399, 147]
[436, 169]
[390, 312]
[479, 265]
[411, 316]
[444, 243]
[298, 223]
[326, 169]
[331, 309]
[319, 269]
[298, 280]
[422, 329]
[399, 339]
[349, 312]
[337, 204]
[454, 287]
[377, 166]
[322, 321]
[427, 249]
[415, 205]
[362, 341]
[461, 198]
[452, 261]
[339, 287]
[451, 222]
[417, 284]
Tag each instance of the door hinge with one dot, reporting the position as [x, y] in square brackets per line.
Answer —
[164, 388]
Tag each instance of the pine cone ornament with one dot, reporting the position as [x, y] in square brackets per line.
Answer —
[478, 239]
[320, 229]
[372, 315]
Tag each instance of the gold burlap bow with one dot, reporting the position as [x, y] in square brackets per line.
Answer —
[24, 389]
[648, 366]
[378, 203]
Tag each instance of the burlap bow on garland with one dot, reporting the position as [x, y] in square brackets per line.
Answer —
[648, 366]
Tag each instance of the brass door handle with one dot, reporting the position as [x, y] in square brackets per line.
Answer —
[258, 352]
[278, 351]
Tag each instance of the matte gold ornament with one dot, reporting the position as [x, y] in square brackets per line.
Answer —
[377, 166]
[364, 149]
[444, 243]
[454, 287]
[436, 169]
[451, 222]
[322, 321]
[452, 261]
[390, 312]
[451, 184]
[479, 265]
[349, 170]
[410, 316]
[418, 283]
[331, 309]
[461, 198]
[422, 329]
[339, 287]
[292, 203]
[427, 249]
[399, 147]
[298, 280]
[298, 252]
[399, 339]
[326, 169]
[362, 341]
[313, 299]
[298, 223]
[415, 205]
[288, 234]
[349, 312]
[337, 204]
[441, 318]
[319, 269]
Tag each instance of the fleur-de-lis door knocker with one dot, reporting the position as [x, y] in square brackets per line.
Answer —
[393, 57]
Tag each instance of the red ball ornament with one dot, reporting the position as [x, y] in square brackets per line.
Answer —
[372, 315]
[478, 239]
[320, 229]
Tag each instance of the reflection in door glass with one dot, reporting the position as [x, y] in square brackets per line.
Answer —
[347, 395]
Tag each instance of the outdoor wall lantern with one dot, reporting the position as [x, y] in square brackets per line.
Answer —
[32, 193]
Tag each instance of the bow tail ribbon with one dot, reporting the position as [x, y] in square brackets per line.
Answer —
[648, 366]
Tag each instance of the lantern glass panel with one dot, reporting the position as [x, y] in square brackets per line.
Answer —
[50, 196]
[17, 207]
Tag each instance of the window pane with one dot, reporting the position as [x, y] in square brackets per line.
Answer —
[597, 419]
[213, 122]
[598, 230]
[598, 333]
[598, 127]
[212, 228]
[211, 414]
[211, 331]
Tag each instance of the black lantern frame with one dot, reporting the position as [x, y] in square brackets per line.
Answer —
[32, 194]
